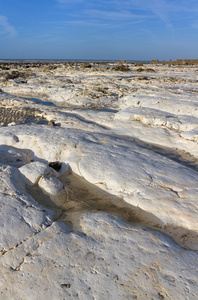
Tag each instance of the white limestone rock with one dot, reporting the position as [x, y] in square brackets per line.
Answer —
[109, 259]
[154, 117]
[164, 101]
[33, 171]
[50, 185]
[21, 216]
[132, 140]
[8, 139]
[13, 156]
[143, 178]
[191, 135]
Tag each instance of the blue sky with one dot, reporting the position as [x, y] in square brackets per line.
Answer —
[103, 29]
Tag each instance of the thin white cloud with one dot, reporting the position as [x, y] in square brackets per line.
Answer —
[161, 8]
[6, 29]
[135, 11]
[111, 15]
[158, 8]
[116, 10]
[195, 25]
[144, 9]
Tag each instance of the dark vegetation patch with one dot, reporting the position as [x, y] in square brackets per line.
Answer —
[86, 66]
[121, 68]
[148, 70]
[19, 116]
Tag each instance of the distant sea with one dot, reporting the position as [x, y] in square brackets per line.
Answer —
[68, 60]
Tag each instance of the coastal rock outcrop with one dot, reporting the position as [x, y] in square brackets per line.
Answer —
[98, 182]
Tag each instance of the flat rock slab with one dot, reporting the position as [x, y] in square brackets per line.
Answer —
[108, 260]
[162, 191]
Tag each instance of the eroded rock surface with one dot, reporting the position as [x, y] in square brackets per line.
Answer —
[104, 204]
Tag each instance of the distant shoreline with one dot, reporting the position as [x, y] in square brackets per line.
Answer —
[99, 61]
[71, 60]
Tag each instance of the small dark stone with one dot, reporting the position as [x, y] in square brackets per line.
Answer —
[67, 285]
[161, 295]
[56, 165]
[142, 78]
[116, 277]
[51, 123]
[5, 68]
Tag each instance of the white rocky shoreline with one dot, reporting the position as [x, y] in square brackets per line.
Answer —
[99, 172]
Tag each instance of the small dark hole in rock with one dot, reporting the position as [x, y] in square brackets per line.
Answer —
[56, 165]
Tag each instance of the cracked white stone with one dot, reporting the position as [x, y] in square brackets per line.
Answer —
[134, 144]
[33, 171]
[21, 216]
